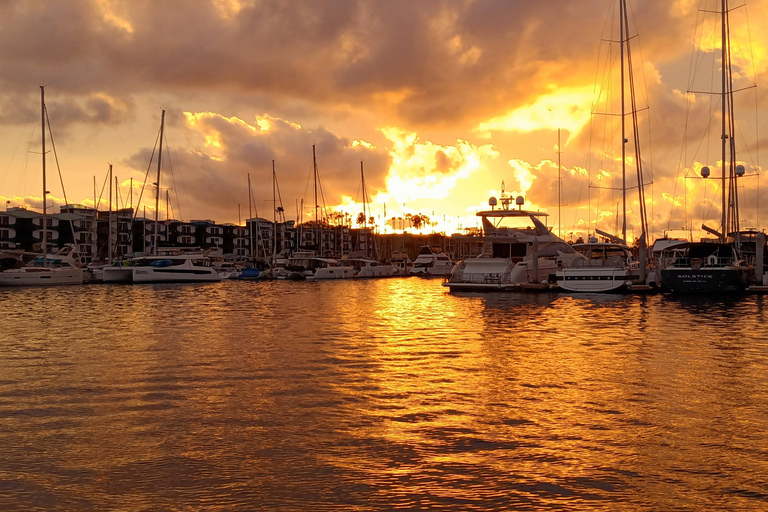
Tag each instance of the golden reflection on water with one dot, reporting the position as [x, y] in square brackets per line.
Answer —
[378, 395]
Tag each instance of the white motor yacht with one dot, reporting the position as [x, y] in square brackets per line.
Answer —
[518, 249]
[182, 268]
[366, 267]
[604, 267]
[303, 266]
[431, 262]
[56, 269]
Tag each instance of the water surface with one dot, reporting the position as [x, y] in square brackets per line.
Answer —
[379, 395]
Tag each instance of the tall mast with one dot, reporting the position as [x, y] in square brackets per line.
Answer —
[157, 195]
[109, 219]
[365, 216]
[250, 217]
[45, 190]
[723, 99]
[274, 215]
[622, 14]
[117, 207]
[317, 206]
[559, 192]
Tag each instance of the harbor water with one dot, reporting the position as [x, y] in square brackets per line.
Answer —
[386, 394]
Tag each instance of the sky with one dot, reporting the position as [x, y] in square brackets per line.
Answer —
[441, 101]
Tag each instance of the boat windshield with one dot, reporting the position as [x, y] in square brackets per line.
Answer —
[518, 223]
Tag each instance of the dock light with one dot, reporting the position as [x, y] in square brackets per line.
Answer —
[705, 172]
[740, 171]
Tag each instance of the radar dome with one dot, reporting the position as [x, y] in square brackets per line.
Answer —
[740, 171]
[705, 172]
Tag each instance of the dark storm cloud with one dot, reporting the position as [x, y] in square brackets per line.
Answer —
[63, 112]
[450, 60]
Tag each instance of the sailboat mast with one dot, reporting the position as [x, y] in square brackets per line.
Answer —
[622, 14]
[559, 192]
[274, 215]
[723, 106]
[250, 216]
[45, 190]
[365, 215]
[109, 219]
[157, 195]
[317, 223]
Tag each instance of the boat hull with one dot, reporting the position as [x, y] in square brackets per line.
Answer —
[331, 273]
[704, 280]
[436, 271]
[117, 275]
[480, 287]
[174, 275]
[379, 271]
[41, 277]
[595, 280]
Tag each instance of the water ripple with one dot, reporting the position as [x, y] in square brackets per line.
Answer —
[378, 395]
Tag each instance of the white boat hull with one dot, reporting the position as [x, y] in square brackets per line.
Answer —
[435, 271]
[595, 280]
[377, 271]
[41, 277]
[178, 274]
[332, 273]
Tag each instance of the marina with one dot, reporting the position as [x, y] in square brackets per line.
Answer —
[495, 256]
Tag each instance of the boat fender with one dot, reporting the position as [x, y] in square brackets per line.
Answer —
[712, 260]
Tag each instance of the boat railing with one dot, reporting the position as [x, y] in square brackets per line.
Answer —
[612, 262]
[480, 278]
[695, 263]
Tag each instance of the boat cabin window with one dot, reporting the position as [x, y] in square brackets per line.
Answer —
[509, 250]
[516, 222]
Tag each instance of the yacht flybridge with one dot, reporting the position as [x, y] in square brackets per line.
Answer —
[518, 249]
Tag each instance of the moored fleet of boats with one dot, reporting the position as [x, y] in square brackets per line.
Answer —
[519, 253]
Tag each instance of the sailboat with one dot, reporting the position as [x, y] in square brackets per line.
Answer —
[715, 266]
[307, 265]
[366, 265]
[173, 268]
[46, 270]
[610, 266]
